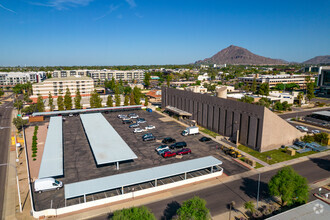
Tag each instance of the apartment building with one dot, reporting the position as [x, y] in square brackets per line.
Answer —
[102, 75]
[273, 80]
[13, 78]
[56, 85]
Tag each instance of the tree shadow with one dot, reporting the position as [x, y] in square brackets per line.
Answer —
[250, 188]
[170, 210]
[322, 163]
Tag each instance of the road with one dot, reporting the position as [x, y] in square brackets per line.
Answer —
[240, 191]
[5, 121]
[301, 113]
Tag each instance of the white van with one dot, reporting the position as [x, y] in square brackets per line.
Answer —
[45, 184]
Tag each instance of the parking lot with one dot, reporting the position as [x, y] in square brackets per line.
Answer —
[79, 163]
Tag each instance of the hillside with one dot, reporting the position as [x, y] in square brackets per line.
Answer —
[318, 60]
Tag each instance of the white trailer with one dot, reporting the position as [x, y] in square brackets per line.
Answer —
[190, 131]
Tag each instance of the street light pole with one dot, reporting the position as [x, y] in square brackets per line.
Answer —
[19, 195]
[258, 191]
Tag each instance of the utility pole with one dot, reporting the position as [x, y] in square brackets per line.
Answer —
[258, 191]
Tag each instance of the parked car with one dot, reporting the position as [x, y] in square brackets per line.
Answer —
[149, 127]
[184, 151]
[70, 115]
[168, 140]
[132, 115]
[168, 154]
[179, 145]
[204, 139]
[138, 130]
[316, 131]
[161, 147]
[135, 125]
[147, 135]
[127, 121]
[140, 120]
[46, 184]
[149, 138]
[302, 128]
[163, 151]
[121, 116]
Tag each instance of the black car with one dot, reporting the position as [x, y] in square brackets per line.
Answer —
[149, 138]
[168, 140]
[204, 139]
[135, 125]
[178, 145]
[127, 121]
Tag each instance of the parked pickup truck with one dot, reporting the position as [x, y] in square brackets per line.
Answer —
[190, 131]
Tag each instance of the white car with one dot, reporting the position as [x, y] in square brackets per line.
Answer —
[149, 127]
[316, 131]
[122, 116]
[302, 128]
[138, 130]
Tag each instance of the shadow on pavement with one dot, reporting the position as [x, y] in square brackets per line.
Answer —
[322, 163]
[170, 210]
[250, 188]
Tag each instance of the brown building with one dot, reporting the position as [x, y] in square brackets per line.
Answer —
[257, 127]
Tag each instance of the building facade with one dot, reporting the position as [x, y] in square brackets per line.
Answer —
[11, 79]
[324, 80]
[255, 126]
[273, 80]
[57, 85]
[102, 75]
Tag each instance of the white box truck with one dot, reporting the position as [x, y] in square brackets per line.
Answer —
[46, 184]
[190, 131]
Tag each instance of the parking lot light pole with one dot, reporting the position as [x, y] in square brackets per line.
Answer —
[19, 195]
[258, 191]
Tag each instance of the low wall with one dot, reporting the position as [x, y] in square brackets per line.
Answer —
[78, 207]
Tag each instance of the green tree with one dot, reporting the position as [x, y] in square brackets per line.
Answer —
[40, 104]
[250, 206]
[285, 105]
[146, 101]
[117, 99]
[18, 104]
[27, 98]
[264, 102]
[310, 91]
[264, 89]
[19, 123]
[146, 80]
[137, 95]
[112, 83]
[29, 109]
[131, 99]
[127, 90]
[300, 97]
[194, 208]
[95, 100]
[1, 92]
[134, 213]
[51, 102]
[60, 102]
[246, 99]
[126, 100]
[289, 186]
[254, 86]
[168, 80]
[109, 101]
[17, 89]
[77, 100]
[68, 100]
[278, 106]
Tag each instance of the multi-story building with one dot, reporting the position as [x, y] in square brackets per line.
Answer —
[273, 80]
[102, 75]
[324, 80]
[57, 85]
[13, 78]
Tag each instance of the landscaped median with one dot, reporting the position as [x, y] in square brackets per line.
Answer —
[273, 156]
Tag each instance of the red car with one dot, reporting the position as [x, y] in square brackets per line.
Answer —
[184, 151]
[168, 154]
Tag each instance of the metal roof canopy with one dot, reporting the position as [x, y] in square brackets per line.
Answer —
[106, 144]
[67, 112]
[52, 157]
[324, 113]
[177, 111]
[87, 187]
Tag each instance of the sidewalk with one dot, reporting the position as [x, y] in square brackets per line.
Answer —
[304, 110]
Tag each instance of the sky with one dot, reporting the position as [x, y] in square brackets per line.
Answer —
[141, 32]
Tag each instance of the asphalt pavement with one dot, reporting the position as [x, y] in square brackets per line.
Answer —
[5, 122]
[301, 113]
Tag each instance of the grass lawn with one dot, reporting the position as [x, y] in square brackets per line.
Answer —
[206, 131]
[276, 156]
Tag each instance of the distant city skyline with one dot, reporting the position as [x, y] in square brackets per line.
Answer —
[140, 32]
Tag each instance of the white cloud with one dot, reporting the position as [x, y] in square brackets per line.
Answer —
[7, 9]
[112, 8]
[131, 3]
[63, 4]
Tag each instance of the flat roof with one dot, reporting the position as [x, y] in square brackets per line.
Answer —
[52, 157]
[67, 112]
[106, 144]
[87, 187]
[324, 113]
[69, 78]
[315, 210]
[177, 111]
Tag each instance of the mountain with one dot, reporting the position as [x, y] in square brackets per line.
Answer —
[238, 55]
[318, 60]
